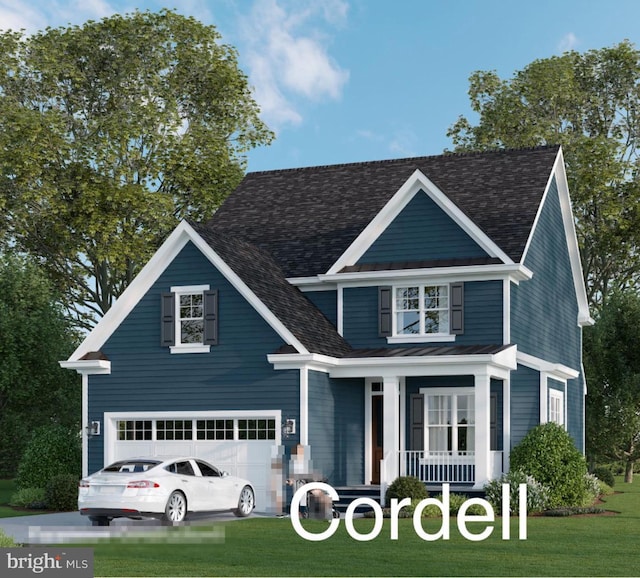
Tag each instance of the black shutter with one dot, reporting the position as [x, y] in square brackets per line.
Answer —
[456, 308]
[384, 311]
[416, 409]
[211, 317]
[167, 319]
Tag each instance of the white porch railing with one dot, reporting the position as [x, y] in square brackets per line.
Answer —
[439, 467]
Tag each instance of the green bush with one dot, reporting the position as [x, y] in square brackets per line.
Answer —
[605, 475]
[52, 450]
[538, 498]
[592, 489]
[31, 498]
[406, 487]
[548, 454]
[61, 493]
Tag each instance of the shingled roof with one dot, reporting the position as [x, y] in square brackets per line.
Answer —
[306, 218]
[263, 276]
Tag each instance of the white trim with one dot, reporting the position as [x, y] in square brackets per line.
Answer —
[497, 365]
[340, 310]
[514, 271]
[555, 370]
[506, 311]
[419, 338]
[150, 273]
[559, 171]
[190, 348]
[414, 184]
[304, 406]
[88, 366]
[188, 289]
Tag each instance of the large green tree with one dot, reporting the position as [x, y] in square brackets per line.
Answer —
[110, 133]
[612, 364]
[590, 104]
[34, 336]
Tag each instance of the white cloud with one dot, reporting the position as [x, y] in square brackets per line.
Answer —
[287, 53]
[20, 15]
[568, 42]
[32, 17]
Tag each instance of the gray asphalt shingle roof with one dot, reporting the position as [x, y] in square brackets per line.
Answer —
[298, 222]
[306, 218]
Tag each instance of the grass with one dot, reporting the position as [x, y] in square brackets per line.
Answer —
[585, 546]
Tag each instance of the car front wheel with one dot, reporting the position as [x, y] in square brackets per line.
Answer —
[246, 503]
[176, 509]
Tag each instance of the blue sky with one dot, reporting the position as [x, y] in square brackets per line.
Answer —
[356, 80]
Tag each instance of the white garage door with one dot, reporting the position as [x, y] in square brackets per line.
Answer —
[242, 443]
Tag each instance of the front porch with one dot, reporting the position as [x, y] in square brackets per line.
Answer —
[441, 418]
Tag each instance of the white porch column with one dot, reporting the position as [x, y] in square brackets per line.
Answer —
[483, 429]
[391, 430]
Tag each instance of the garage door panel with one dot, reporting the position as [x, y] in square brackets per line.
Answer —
[249, 459]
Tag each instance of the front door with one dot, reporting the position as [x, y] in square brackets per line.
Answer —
[376, 437]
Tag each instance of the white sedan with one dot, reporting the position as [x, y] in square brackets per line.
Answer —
[167, 489]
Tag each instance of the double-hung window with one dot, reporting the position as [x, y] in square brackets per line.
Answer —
[556, 406]
[190, 319]
[450, 427]
[422, 310]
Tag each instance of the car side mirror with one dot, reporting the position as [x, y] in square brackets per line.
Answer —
[224, 474]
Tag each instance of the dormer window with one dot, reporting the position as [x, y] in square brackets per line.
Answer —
[190, 319]
[420, 313]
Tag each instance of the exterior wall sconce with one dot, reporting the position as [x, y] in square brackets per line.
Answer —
[93, 429]
[289, 427]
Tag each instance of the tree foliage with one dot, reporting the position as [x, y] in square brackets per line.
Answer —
[612, 364]
[34, 336]
[590, 104]
[110, 133]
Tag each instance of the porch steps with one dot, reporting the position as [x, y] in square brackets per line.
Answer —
[348, 494]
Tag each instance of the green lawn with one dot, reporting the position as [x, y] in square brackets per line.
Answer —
[583, 546]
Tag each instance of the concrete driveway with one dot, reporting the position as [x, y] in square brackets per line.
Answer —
[66, 527]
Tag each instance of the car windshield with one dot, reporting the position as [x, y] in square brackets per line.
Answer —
[131, 466]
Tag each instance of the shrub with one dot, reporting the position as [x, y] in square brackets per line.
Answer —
[605, 475]
[62, 493]
[31, 498]
[51, 451]
[538, 497]
[605, 489]
[592, 489]
[548, 454]
[406, 487]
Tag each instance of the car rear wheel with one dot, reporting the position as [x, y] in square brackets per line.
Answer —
[176, 508]
[246, 502]
[99, 521]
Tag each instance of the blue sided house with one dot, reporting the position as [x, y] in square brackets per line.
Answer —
[360, 321]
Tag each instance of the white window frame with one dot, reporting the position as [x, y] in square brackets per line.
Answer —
[452, 392]
[421, 336]
[180, 347]
[556, 406]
